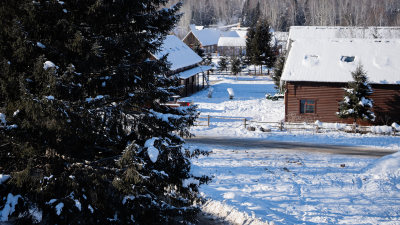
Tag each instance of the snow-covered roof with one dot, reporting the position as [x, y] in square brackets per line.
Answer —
[188, 73]
[318, 32]
[179, 54]
[324, 60]
[229, 33]
[232, 42]
[207, 36]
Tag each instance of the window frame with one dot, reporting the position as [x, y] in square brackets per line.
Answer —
[307, 103]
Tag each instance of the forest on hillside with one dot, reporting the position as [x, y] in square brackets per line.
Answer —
[285, 13]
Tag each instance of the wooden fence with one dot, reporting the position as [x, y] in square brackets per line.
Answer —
[285, 126]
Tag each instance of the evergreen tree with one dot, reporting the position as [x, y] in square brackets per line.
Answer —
[259, 48]
[356, 103]
[83, 134]
[264, 49]
[250, 47]
[222, 64]
[207, 60]
[199, 51]
[235, 65]
[278, 70]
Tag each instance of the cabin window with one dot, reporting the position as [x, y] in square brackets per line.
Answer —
[307, 106]
[347, 59]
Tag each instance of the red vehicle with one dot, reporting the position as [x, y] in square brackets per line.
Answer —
[175, 102]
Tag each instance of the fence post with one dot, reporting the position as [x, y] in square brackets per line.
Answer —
[208, 120]
[281, 126]
[244, 122]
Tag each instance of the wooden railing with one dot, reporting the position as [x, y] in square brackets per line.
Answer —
[286, 126]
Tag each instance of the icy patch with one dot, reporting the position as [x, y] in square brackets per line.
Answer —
[50, 97]
[9, 207]
[151, 150]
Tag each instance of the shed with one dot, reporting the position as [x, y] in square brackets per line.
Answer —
[317, 70]
[184, 63]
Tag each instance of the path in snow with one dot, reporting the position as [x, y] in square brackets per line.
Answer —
[254, 143]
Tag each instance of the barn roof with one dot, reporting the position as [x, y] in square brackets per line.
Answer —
[331, 60]
[232, 42]
[179, 54]
[323, 32]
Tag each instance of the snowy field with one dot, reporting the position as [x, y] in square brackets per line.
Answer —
[258, 186]
[249, 102]
[276, 187]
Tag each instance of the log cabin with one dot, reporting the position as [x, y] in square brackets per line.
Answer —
[185, 64]
[317, 71]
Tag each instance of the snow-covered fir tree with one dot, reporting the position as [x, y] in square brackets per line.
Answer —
[278, 70]
[222, 64]
[259, 47]
[356, 103]
[235, 65]
[84, 135]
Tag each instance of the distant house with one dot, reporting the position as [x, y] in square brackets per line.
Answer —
[206, 38]
[317, 70]
[184, 63]
[232, 46]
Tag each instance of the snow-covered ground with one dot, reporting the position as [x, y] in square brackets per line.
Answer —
[249, 102]
[261, 186]
[258, 186]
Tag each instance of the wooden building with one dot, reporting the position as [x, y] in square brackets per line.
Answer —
[317, 71]
[232, 46]
[185, 63]
[206, 38]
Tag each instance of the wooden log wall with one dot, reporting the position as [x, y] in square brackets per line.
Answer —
[327, 97]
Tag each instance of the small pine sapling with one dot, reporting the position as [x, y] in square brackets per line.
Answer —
[356, 103]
